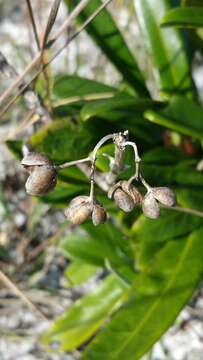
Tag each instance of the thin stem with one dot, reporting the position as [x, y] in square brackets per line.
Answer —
[71, 17]
[143, 181]
[137, 162]
[88, 97]
[20, 294]
[37, 58]
[93, 159]
[34, 26]
[72, 163]
[184, 210]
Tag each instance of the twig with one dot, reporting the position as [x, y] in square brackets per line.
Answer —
[93, 159]
[137, 162]
[116, 163]
[185, 210]
[72, 163]
[50, 23]
[34, 26]
[88, 97]
[20, 294]
[37, 58]
[35, 61]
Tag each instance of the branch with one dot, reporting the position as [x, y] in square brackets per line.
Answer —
[20, 294]
[36, 60]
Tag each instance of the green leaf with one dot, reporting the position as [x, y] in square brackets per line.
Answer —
[126, 112]
[96, 244]
[155, 301]
[179, 115]
[78, 272]
[63, 141]
[184, 17]
[116, 107]
[86, 315]
[191, 2]
[166, 48]
[15, 146]
[177, 225]
[150, 236]
[112, 43]
[70, 92]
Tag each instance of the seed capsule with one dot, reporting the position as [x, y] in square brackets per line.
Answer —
[125, 196]
[98, 214]
[123, 200]
[150, 206]
[43, 175]
[164, 195]
[79, 210]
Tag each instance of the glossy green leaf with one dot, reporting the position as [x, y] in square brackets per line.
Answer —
[184, 17]
[150, 236]
[86, 315]
[126, 112]
[117, 107]
[78, 272]
[182, 115]
[96, 244]
[155, 301]
[177, 225]
[63, 141]
[70, 92]
[112, 43]
[166, 48]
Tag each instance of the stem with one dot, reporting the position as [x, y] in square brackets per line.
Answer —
[94, 157]
[146, 185]
[71, 163]
[37, 58]
[4, 279]
[137, 162]
[184, 210]
[34, 26]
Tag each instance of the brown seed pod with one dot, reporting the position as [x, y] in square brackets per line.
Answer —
[123, 200]
[164, 195]
[150, 206]
[79, 210]
[43, 175]
[125, 196]
[132, 191]
[98, 214]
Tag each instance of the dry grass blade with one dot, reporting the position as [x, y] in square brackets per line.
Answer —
[50, 23]
[20, 294]
[37, 60]
[83, 26]
[34, 26]
[66, 23]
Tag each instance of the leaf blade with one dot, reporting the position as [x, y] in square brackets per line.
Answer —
[161, 294]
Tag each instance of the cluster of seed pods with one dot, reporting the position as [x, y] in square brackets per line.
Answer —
[43, 178]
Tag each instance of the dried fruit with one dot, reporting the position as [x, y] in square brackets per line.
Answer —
[81, 208]
[98, 214]
[164, 195]
[125, 196]
[43, 175]
[150, 206]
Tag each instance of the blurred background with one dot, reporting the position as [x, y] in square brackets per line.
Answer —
[30, 230]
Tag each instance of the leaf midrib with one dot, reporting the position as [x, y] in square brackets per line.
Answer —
[184, 254]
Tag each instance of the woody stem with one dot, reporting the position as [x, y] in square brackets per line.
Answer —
[93, 159]
[137, 162]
